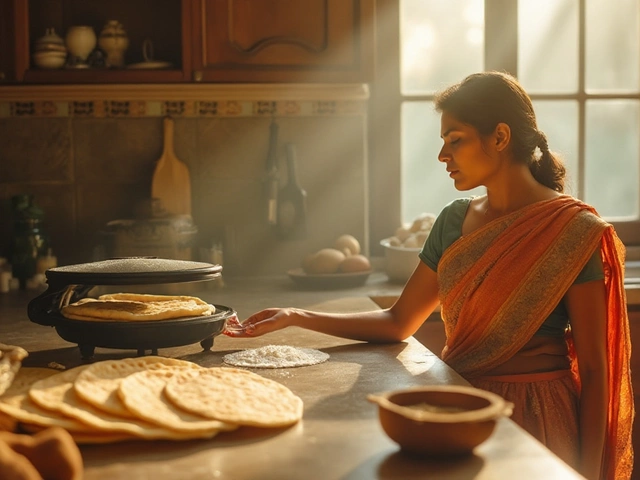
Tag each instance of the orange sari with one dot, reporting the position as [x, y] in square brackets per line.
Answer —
[499, 284]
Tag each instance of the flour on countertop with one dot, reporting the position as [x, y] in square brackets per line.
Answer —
[276, 356]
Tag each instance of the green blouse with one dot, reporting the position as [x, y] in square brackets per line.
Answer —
[448, 228]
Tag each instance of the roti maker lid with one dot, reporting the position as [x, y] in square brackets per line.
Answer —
[132, 271]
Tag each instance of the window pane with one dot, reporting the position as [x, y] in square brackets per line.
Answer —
[441, 43]
[548, 44]
[558, 119]
[613, 46]
[426, 186]
[612, 151]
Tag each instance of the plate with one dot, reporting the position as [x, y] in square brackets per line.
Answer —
[328, 280]
[149, 65]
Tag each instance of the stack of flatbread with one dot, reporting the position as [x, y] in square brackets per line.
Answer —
[11, 357]
[147, 398]
[133, 307]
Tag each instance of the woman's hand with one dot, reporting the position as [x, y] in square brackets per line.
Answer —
[264, 321]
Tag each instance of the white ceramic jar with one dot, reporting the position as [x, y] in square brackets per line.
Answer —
[114, 42]
[80, 41]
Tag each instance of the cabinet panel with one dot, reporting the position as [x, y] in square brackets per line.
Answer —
[8, 40]
[283, 40]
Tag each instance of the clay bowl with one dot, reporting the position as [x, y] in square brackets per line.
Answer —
[440, 420]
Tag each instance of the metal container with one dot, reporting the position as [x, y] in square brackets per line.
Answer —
[164, 237]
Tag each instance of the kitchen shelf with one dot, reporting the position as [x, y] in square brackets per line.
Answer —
[95, 75]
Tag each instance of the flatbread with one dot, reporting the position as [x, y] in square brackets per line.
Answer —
[135, 307]
[235, 396]
[135, 310]
[275, 356]
[11, 358]
[16, 403]
[98, 383]
[145, 297]
[142, 393]
[57, 393]
[82, 438]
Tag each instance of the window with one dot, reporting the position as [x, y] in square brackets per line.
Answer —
[578, 59]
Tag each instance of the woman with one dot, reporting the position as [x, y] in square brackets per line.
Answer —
[530, 283]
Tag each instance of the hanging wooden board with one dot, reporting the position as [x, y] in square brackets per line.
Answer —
[171, 182]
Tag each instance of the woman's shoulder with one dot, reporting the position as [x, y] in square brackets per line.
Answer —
[457, 205]
[453, 213]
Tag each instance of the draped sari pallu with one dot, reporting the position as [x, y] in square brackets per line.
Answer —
[499, 283]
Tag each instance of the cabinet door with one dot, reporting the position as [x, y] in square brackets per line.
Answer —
[12, 40]
[282, 40]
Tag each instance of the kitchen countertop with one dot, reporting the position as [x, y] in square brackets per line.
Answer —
[339, 436]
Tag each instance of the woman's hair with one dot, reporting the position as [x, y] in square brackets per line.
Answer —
[483, 100]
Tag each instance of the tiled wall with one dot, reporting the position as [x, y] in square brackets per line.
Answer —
[89, 162]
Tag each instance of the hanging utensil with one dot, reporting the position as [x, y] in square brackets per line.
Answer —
[171, 181]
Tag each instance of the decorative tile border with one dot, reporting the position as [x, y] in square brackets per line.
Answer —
[89, 101]
[134, 108]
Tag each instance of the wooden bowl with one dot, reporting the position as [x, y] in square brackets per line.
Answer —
[440, 420]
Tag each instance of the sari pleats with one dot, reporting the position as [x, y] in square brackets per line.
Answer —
[545, 405]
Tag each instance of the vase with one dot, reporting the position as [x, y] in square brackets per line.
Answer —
[114, 42]
[80, 41]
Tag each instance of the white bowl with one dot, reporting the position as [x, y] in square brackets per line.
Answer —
[400, 262]
[49, 60]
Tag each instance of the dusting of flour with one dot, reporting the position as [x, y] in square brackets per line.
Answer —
[276, 356]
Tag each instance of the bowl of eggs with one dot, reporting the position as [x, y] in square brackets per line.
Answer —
[440, 420]
[401, 249]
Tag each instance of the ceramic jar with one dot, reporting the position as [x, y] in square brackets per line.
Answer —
[80, 41]
[114, 42]
[49, 50]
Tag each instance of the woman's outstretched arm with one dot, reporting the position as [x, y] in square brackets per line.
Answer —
[417, 301]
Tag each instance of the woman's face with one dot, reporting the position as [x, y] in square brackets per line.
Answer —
[467, 156]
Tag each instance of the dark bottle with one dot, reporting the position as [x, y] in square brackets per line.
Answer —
[272, 176]
[29, 238]
[292, 202]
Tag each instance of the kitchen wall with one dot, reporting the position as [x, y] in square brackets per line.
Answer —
[89, 162]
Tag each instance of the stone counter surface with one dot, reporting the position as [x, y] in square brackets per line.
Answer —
[339, 437]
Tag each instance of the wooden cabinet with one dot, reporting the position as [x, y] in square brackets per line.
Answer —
[7, 42]
[283, 40]
[204, 40]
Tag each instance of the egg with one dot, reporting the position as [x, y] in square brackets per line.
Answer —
[355, 263]
[347, 243]
[326, 260]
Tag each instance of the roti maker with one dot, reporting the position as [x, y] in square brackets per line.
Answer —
[68, 284]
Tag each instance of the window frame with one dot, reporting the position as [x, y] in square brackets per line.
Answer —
[501, 18]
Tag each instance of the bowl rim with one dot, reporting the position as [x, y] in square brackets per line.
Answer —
[498, 406]
[385, 243]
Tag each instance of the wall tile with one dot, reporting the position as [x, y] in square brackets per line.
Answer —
[232, 147]
[116, 150]
[99, 203]
[35, 149]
